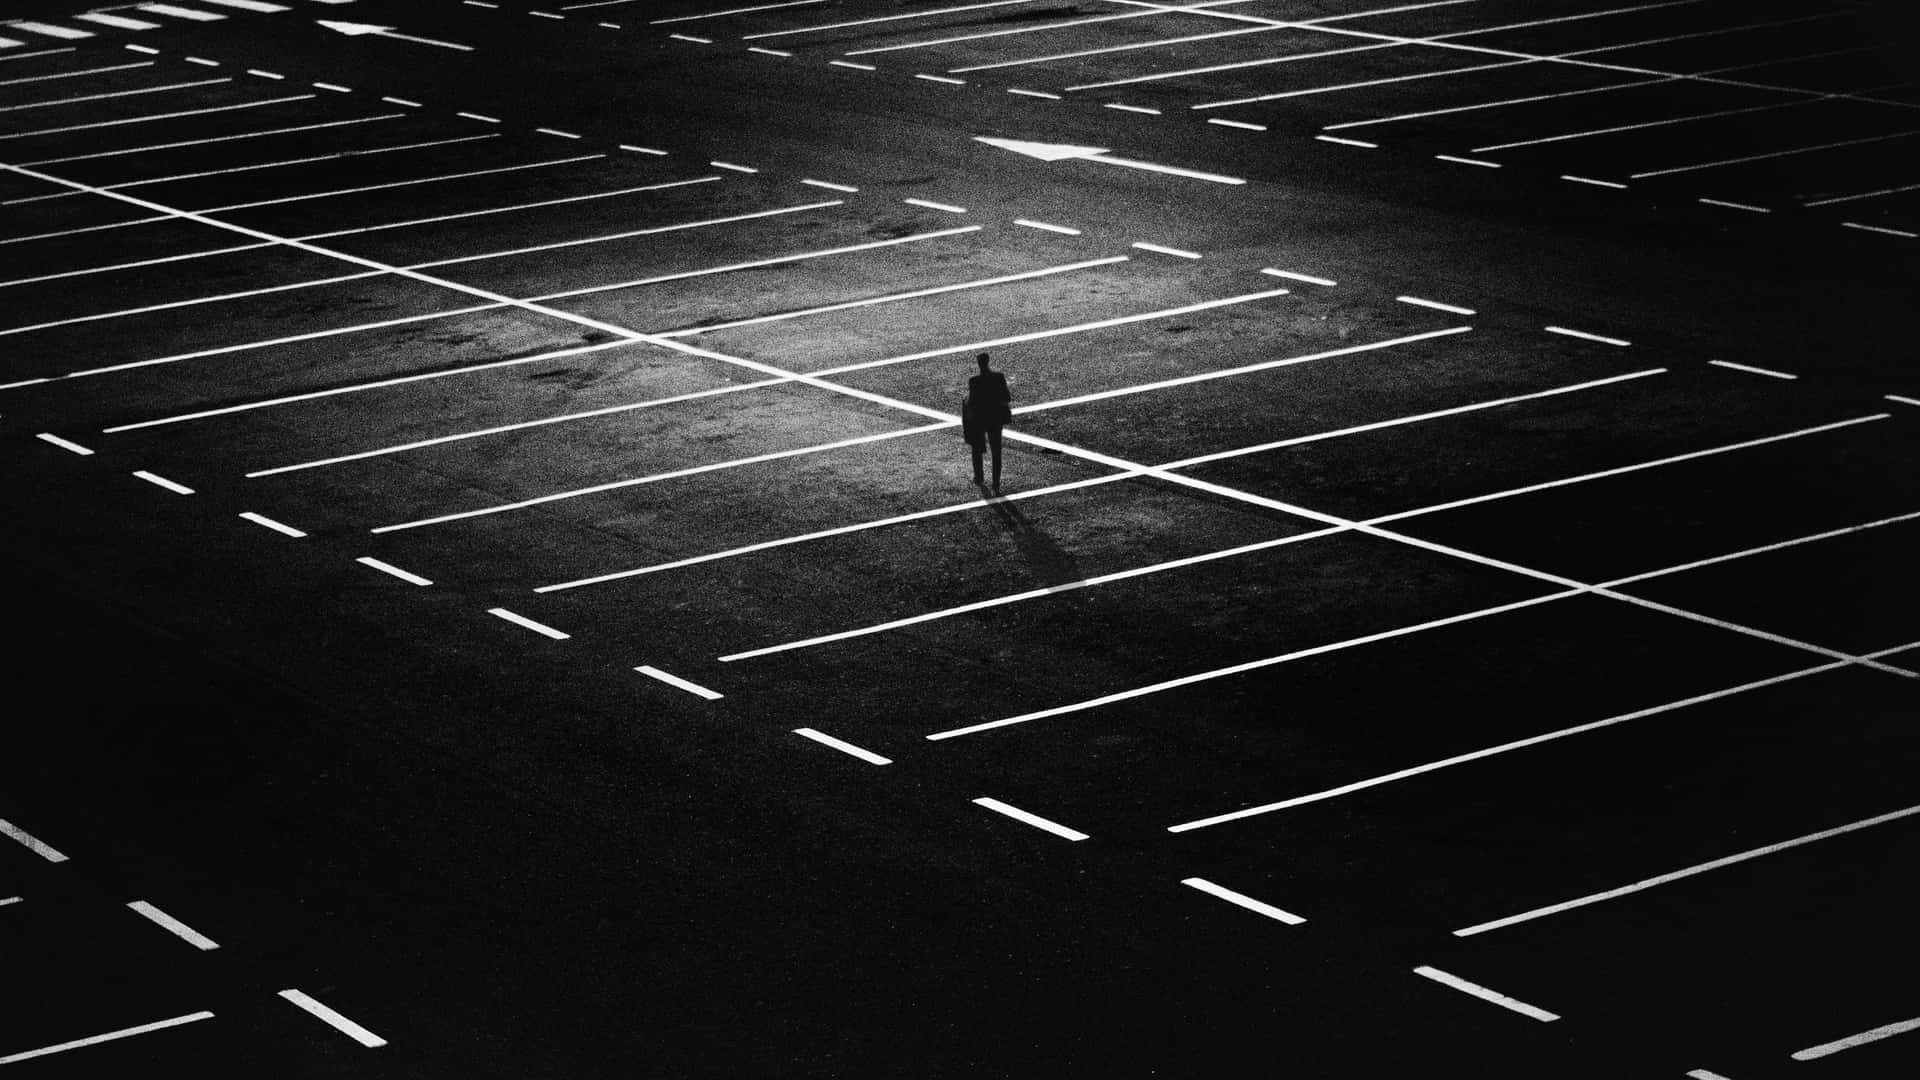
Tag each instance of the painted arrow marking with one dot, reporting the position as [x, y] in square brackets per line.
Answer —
[1068, 152]
[354, 29]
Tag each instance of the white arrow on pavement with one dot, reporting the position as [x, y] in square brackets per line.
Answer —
[354, 29]
[1067, 152]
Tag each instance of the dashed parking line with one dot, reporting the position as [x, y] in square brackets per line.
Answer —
[1467, 161]
[77, 74]
[1590, 181]
[1867, 228]
[7, 900]
[334, 1019]
[93, 1040]
[1723, 203]
[1751, 370]
[277, 526]
[1032, 819]
[651, 230]
[704, 15]
[1259, 907]
[1705, 1074]
[32, 843]
[1903, 400]
[1292, 276]
[162, 482]
[174, 926]
[676, 681]
[1045, 227]
[843, 746]
[1885, 1031]
[1485, 994]
[930, 205]
[1686, 872]
[1180, 253]
[1362, 143]
[116, 94]
[156, 116]
[830, 186]
[410, 577]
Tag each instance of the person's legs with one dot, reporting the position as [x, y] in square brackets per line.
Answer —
[979, 449]
[993, 440]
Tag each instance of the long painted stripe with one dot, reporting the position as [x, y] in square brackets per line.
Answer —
[884, 18]
[1259, 907]
[174, 926]
[213, 139]
[615, 485]
[114, 94]
[51, 30]
[400, 183]
[157, 116]
[118, 22]
[1774, 154]
[92, 1040]
[190, 14]
[64, 444]
[1750, 369]
[1564, 332]
[1032, 819]
[77, 74]
[627, 235]
[1686, 872]
[437, 218]
[311, 335]
[1884, 1031]
[843, 746]
[160, 481]
[123, 312]
[704, 15]
[1485, 994]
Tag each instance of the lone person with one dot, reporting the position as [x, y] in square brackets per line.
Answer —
[987, 409]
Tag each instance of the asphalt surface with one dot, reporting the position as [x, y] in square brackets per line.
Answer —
[496, 587]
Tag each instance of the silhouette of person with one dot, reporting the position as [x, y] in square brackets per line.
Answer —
[988, 408]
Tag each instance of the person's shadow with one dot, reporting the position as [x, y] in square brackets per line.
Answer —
[1049, 563]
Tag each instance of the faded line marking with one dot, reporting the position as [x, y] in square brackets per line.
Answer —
[1176, 252]
[1565, 332]
[1435, 305]
[1061, 229]
[530, 624]
[1291, 276]
[843, 746]
[1751, 369]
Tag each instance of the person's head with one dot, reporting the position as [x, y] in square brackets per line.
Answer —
[983, 361]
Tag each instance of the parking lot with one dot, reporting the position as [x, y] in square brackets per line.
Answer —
[1530, 643]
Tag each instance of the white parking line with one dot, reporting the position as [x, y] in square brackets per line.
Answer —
[1903, 400]
[403, 575]
[1362, 143]
[1704, 1074]
[76, 74]
[242, 295]
[40, 52]
[248, 5]
[705, 15]
[157, 116]
[51, 30]
[1291, 276]
[884, 18]
[841, 530]
[1749, 368]
[522, 620]
[1259, 907]
[400, 183]
[114, 94]
[1485, 994]
[1251, 665]
[1033, 594]
[1879, 229]
[246, 346]
[1636, 467]
[843, 746]
[1590, 181]
[438, 218]
[890, 298]
[627, 235]
[1227, 373]
[56, 440]
[1686, 872]
[1582, 334]
[1773, 154]
[1467, 161]
[356, 388]
[694, 688]
[190, 14]
[118, 22]
[1034, 820]
[277, 526]
[162, 482]
[1875, 1035]
[1081, 53]
[948, 207]
[91, 1040]
[1863, 195]
[214, 139]
[1735, 205]
[174, 926]
[30, 842]
[6, 900]
[335, 1020]
[1435, 305]
[1176, 252]
[734, 463]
